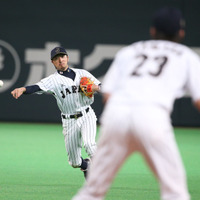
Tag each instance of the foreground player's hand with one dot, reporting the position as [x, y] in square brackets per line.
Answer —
[16, 93]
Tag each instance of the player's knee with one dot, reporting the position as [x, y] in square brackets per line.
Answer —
[156, 140]
[90, 149]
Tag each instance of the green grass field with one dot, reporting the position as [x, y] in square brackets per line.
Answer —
[34, 166]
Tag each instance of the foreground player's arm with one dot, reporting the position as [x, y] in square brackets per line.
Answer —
[16, 93]
[106, 96]
[197, 104]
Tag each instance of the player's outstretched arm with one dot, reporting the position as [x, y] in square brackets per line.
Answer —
[16, 93]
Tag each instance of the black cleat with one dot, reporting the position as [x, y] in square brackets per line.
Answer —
[85, 170]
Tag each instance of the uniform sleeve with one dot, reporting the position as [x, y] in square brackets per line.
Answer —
[193, 84]
[32, 89]
[46, 85]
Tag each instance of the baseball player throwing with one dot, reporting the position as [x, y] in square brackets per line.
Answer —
[78, 118]
[140, 87]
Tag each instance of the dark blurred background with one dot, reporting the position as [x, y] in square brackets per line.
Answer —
[92, 32]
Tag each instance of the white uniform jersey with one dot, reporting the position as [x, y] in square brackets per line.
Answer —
[141, 71]
[67, 92]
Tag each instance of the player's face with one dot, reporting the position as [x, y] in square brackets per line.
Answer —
[60, 62]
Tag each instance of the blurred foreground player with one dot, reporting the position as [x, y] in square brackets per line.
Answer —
[140, 88]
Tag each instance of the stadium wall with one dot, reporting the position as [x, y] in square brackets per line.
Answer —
[92, 32]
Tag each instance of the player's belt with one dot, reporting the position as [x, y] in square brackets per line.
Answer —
[76, 116]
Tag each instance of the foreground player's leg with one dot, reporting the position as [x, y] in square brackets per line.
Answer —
[111, 153]
[158, 146]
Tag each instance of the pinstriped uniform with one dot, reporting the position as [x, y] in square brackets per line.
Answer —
[70, 101]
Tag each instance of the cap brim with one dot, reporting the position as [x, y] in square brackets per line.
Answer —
[59, 54]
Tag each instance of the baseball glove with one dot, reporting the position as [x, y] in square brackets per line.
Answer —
[86, 86]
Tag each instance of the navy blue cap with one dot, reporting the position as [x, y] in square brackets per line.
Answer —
[58, 50]
[168, 20]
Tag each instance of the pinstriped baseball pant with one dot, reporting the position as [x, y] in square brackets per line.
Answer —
[78, 131]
